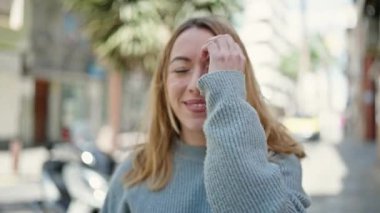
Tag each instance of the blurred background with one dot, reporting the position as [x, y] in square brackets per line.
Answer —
[74, 78]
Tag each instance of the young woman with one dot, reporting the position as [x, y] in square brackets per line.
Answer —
[212, 145]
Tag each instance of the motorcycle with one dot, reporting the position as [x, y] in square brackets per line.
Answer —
[75, 178]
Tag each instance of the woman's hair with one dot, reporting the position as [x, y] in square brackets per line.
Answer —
[153, 160]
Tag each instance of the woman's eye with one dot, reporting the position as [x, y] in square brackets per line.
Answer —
[181, 70]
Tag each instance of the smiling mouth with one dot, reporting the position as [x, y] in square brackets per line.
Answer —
[196, 105]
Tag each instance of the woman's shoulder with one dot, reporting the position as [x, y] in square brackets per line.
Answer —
[117, 182]
[122, 168]
[283, 159]
[117, 187]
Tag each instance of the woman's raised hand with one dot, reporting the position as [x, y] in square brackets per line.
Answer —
[223, 54]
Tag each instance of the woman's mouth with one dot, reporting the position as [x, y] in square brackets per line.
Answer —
[196, 105]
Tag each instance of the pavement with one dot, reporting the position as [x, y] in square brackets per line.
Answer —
[342, 176]
[20, 192]
[339, 175]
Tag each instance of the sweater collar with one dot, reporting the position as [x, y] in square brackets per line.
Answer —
[188, 151]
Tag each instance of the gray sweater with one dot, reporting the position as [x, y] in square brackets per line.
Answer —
[234, 174]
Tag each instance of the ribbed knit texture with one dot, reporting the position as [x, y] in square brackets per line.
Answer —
[234, 174]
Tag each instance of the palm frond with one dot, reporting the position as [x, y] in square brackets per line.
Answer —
[126, 33]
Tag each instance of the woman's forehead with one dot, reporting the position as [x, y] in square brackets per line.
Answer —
[189, 42]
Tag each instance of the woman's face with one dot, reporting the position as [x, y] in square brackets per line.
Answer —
[186, 66]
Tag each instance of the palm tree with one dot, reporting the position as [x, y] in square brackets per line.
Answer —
[127, 35]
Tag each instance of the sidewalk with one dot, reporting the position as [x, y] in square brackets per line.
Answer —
[339, 176]
[21, 191]
[342, 176]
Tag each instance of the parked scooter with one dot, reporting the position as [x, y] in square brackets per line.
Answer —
[56, 197]
[75, 178]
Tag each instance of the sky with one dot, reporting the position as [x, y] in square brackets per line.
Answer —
[323, 15]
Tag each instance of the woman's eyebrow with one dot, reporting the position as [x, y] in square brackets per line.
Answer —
[180, 58]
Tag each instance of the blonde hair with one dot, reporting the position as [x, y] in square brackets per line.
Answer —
[153, 160]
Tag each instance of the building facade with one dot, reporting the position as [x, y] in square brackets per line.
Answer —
[50, 82]
[261, 29]
[363, 71]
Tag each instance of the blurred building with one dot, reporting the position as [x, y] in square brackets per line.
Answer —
[364, 70]
[12, 43]
[50, 81]
[262, 31]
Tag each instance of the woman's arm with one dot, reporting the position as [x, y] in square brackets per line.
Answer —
[238, 175]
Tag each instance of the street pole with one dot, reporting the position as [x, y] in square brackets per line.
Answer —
[305, 52]
[304, 63]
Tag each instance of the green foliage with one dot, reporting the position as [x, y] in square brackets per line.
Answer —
[289, 64]
[10, 39]
[225, 8]
[126, 34]
[318, 53]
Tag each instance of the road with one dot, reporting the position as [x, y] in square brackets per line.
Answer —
[341, 176]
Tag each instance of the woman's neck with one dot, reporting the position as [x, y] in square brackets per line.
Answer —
[193, 138]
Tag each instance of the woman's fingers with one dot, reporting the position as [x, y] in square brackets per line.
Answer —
[240, 55]
[223, 42]
[204, 52]
[224, 54]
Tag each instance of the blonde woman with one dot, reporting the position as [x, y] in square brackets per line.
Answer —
[212, 145]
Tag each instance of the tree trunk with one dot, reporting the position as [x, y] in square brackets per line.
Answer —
[115, 81]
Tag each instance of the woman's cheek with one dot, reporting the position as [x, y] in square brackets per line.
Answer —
[175, 88]
[177, 84]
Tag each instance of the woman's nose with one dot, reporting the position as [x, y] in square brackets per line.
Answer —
[193, 84]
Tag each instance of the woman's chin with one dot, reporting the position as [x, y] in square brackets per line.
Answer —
[195, 126]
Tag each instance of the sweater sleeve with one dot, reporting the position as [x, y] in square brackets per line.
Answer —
[239, 176]
[114, 201]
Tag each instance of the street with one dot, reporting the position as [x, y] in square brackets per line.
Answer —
[342, 176]
[339, 176]
[21, 192]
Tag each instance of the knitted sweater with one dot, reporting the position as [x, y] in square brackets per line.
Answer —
[234, 173]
